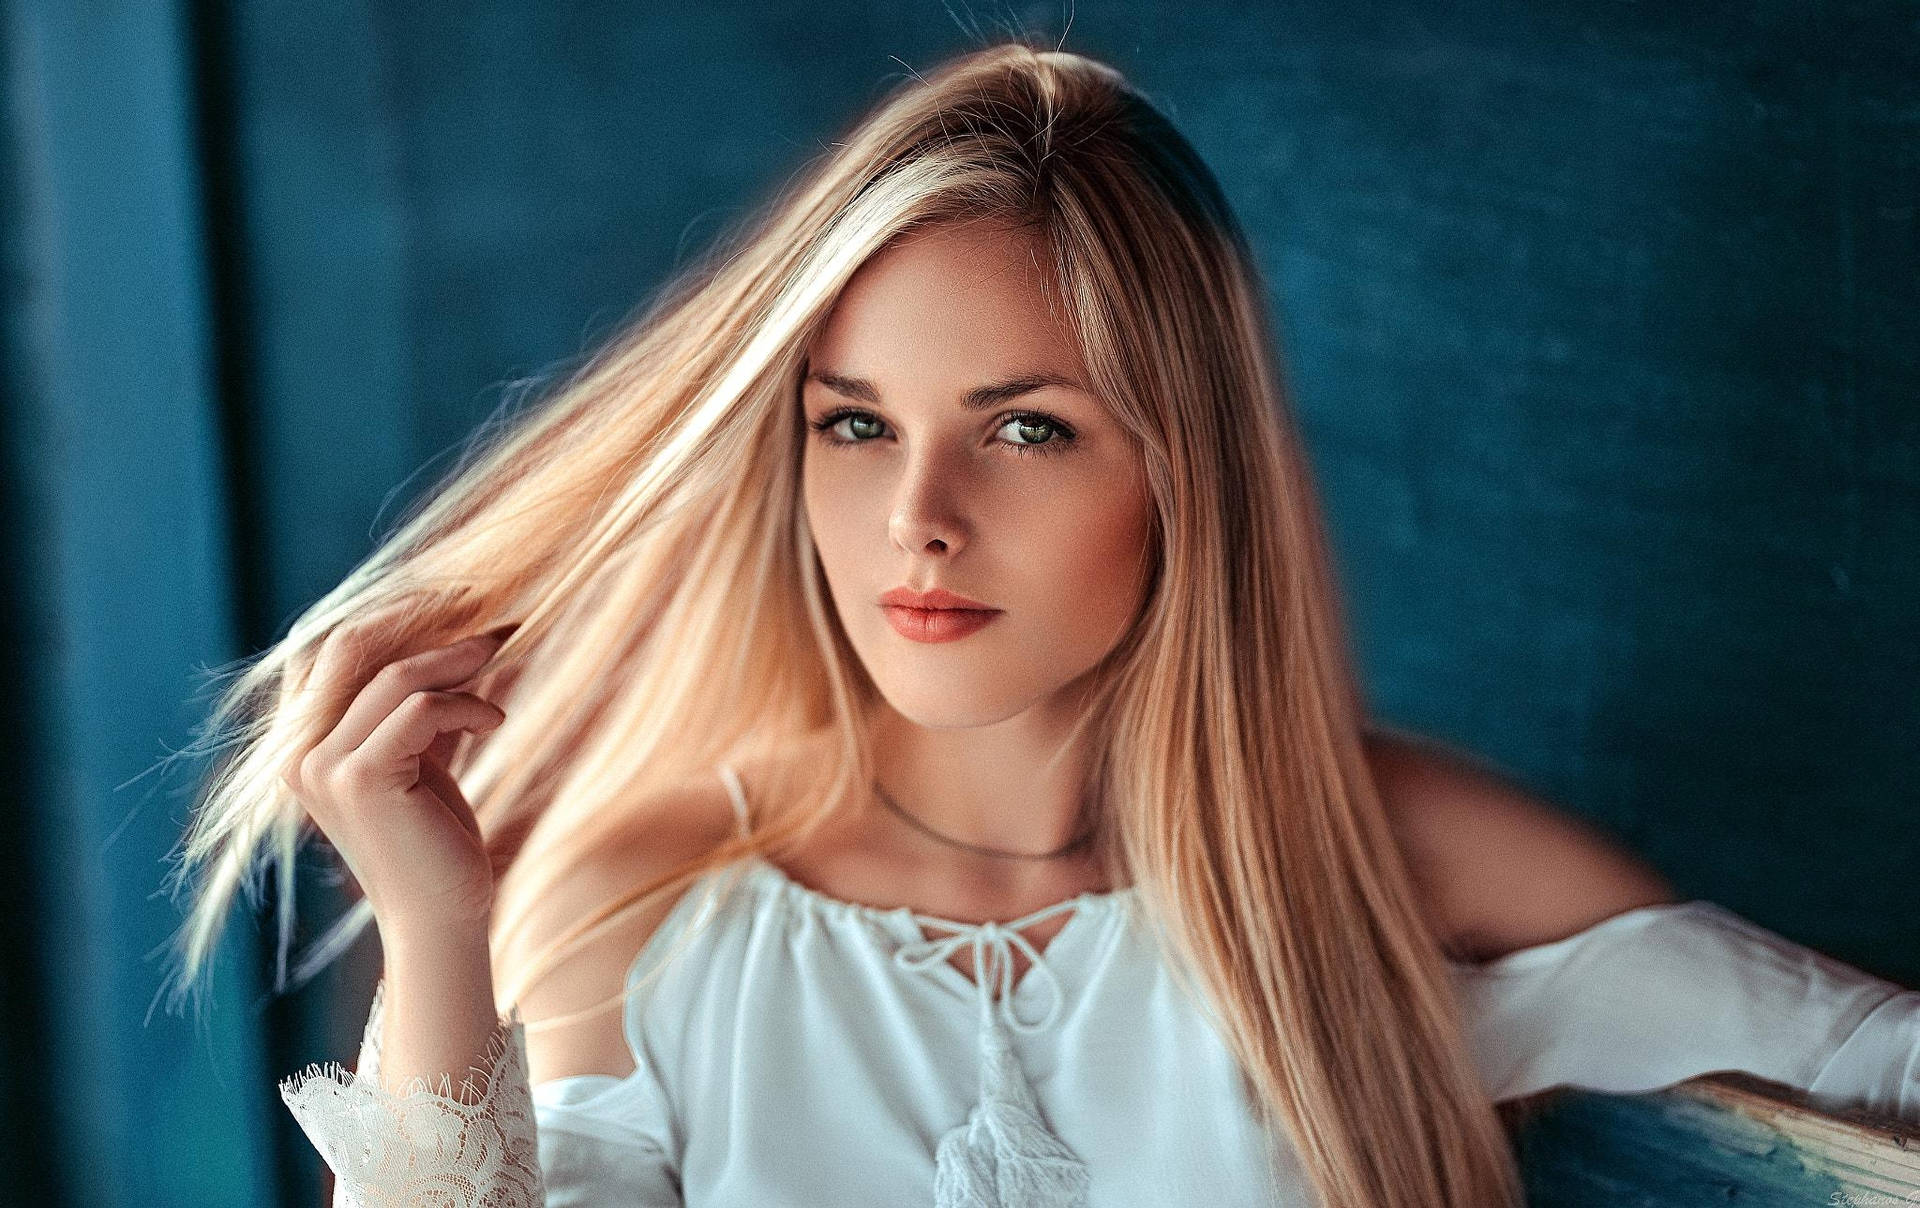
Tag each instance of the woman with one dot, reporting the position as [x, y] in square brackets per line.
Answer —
[883, 733]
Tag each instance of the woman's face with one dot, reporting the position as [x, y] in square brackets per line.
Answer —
[952, 444]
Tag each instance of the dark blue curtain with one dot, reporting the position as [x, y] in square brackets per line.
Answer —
[1602, 321]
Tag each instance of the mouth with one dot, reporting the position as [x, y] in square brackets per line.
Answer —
[937, 624]
[938, 597]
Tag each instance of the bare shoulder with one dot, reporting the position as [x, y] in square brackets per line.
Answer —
[1501, 868]
[673, 827]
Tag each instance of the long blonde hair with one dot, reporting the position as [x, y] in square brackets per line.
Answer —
[643, 526]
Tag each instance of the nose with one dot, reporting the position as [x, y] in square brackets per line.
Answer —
[924, 520]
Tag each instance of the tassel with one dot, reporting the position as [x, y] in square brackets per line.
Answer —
[1004, 1156]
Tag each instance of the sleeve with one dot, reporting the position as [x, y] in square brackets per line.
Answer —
[426, 1143]
[1663, 993]
[593, 1141]
[606, 1142]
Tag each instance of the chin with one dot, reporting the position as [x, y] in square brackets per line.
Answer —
[939, 702]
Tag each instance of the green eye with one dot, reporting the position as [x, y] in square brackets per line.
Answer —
[1037, 433]
[855, 425]
[826, 424]
[1034, 432]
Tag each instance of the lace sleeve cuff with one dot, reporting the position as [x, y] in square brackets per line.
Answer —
[469, 1146]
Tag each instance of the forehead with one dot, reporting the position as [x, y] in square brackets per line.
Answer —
[969, 300]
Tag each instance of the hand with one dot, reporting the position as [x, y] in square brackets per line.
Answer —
[377, 784]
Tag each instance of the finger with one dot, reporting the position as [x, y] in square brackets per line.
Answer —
[446, 746]
[388, 761]
[441, 784]
[418, 720]
[354, 649]
[339, 666]
[443, 748]
[440, 668]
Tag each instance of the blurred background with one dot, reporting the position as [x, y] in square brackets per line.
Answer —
[1602, 321]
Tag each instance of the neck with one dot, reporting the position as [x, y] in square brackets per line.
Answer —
[1014, 786]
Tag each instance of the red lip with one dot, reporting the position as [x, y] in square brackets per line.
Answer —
[934, 616]
[906, 597]
[936, 624]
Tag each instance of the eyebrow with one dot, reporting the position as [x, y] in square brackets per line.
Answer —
[980, 398]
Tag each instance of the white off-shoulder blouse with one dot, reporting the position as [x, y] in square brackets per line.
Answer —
[793, 1049]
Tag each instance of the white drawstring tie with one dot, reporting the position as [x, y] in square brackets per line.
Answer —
[1004, 1156]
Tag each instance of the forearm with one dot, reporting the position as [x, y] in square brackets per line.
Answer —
[441, 1098]
[440, 1015]
[1663, 993]
[1878, 1066]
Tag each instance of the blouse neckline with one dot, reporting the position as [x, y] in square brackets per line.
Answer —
[1090, 901]
[906, 923]
[915, 949]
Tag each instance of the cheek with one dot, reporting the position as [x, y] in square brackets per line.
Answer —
[825, 504]
[1095, 555]
[839, 517]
